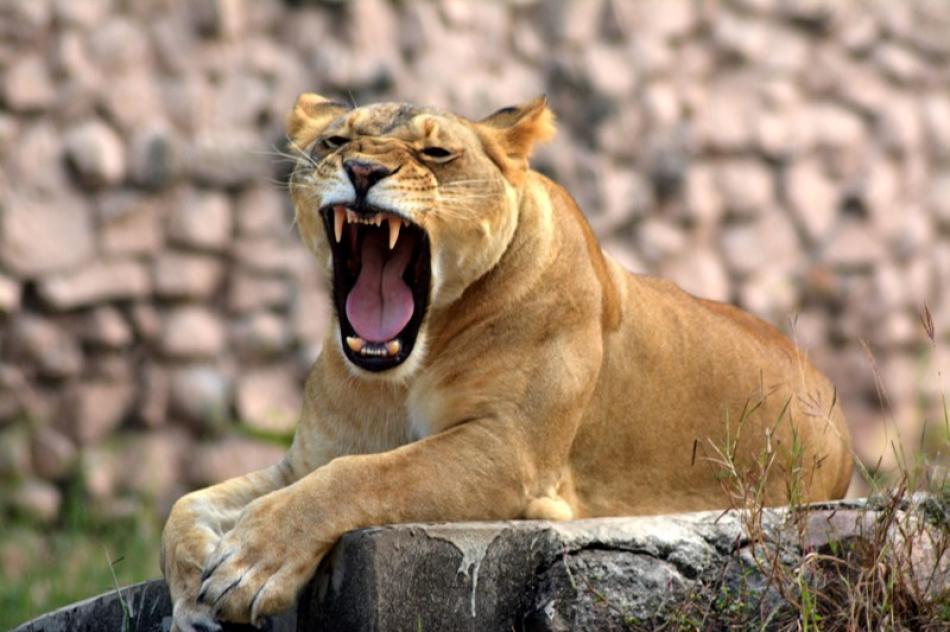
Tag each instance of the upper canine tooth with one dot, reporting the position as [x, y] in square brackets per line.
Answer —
[339, 215]
[394, 225]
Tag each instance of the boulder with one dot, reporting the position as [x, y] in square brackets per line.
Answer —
[54, 454]
[105, 326]
[27, 85]
[10, 293]
[217, 461]
[92, 410]
[120, 44]
[100, 281]
[154, 395]
[96, 153]
[269, 399]
[192, 331]
[261, 335]
[42, 235]
[310, 314]
[130, 224]
[187, 275]
[249, 292]
[154, 156]
[261, 211]
[746, 187]
[151, 463]
[813, 196]
[36, 500]
[218, 18]
[201, 220]
[42, 344]
[15, 458]
[85, 14]
[201, 395]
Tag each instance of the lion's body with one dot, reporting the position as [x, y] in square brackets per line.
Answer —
[552, 384]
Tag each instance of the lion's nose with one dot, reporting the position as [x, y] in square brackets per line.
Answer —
[364, 174]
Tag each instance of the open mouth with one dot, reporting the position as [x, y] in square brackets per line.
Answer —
[381, 281]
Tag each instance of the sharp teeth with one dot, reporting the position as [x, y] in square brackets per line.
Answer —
[354, 343]
[351, 216]
[339, 215]
[393, 347]
[394, 226]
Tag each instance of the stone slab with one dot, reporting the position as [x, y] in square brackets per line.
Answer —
[606, 573]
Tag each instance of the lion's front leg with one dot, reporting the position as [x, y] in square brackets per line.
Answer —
[192, 532]
[473, 471]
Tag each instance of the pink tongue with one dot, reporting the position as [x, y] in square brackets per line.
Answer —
[380, 304]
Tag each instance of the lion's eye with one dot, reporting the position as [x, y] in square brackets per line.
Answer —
[333, 142]
[439, 153]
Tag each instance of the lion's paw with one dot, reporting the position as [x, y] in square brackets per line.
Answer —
[255, 571]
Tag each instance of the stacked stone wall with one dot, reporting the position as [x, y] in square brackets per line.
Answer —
[158, 312]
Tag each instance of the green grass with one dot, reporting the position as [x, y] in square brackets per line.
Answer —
[44, 568]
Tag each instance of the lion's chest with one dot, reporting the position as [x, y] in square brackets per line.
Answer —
[420, 419]
[425, 407]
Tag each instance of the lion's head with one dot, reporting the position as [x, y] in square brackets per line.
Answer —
[408, 206]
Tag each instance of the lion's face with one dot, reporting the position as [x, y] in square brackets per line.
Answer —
[408, 206]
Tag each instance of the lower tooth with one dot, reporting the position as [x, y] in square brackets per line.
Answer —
[375, 349]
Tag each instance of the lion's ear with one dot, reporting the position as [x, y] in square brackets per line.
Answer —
[311, 114]
[518, 128]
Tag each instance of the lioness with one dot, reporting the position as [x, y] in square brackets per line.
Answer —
[487, 360]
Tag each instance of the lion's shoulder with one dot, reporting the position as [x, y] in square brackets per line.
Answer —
[564, 204]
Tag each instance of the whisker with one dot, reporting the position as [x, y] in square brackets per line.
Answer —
[293, 145]
[280, 184]
[276, 152]
[296, 158]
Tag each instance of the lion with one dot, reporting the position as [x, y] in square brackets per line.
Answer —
[486, 360]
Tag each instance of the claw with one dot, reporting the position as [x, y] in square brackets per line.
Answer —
[256, 618]
[227, 590]
[209, 570]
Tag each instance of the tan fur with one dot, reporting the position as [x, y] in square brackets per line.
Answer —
[547, 383]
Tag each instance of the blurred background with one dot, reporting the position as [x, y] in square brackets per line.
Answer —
[158, 314]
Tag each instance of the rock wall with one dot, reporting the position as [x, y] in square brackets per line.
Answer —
[792, 157]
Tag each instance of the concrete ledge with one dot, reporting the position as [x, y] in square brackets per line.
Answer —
[583, 575]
